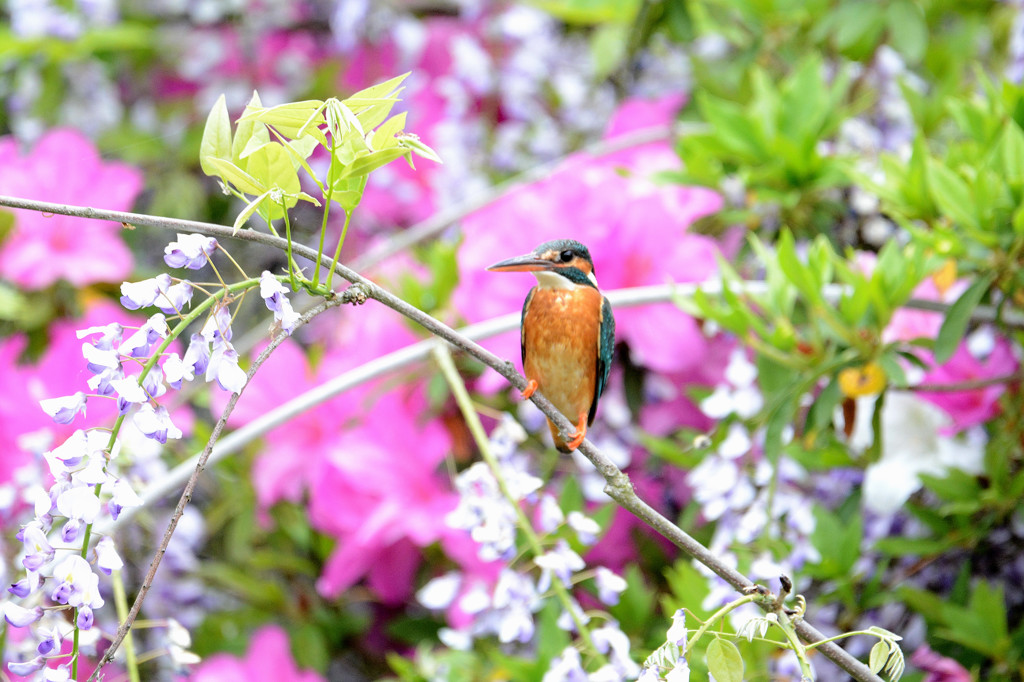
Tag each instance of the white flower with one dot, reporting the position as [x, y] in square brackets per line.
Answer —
[911, 446]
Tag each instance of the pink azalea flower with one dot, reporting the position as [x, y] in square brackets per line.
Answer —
[367, 461]
[975, 406]
[268, 659]
[938, 668]
[637, 234]
[284, 469]
[907, 324]
[381, 496]
[65, 167]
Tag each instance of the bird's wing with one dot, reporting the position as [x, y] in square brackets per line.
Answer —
[606, 346]
[522, 325]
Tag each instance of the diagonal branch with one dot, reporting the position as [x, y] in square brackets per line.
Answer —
[618, 485]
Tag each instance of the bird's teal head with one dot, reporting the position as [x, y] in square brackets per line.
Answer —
[558, 264]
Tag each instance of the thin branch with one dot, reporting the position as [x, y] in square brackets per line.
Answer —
[618, 485]
[364, 373]
[186, 495]
[969, 384]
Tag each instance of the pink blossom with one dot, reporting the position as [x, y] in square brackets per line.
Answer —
[268, 659]
[65, 167]
[975, 406]
[286, 467]
[380, 494]
[637, 233]
[367, 460]
[907, 324]
[938, 668]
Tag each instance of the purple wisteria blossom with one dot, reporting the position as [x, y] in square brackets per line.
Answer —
[275, 295]
[63, 410]
[191, 251]
[159, 291]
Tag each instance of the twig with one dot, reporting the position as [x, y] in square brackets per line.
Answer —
[618, 486]
[186, 495]
[969, 384]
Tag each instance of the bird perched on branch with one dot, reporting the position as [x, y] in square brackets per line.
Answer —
[568, 333]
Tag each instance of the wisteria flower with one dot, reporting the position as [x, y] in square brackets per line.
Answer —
[275, 295]
[138, 344]
[64, 410]
[191, 251]
[560, 562]
[155, 423]
[19, 616]
[223, 367]
[38, 550]
[609, 585]
[122, 495]
[142, 294]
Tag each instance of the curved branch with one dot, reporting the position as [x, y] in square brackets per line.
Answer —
[618, 485]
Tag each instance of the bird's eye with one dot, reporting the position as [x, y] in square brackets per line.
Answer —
[566, 256]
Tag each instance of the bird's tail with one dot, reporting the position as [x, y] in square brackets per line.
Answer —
[559, 441]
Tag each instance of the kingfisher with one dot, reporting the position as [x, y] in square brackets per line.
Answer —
[567, 333]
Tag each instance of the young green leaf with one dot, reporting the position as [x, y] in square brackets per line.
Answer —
[951, 194]
[957, 318]
[364, 165]
[216, 137]
[248, 211]
[231, 173]
[724, 661]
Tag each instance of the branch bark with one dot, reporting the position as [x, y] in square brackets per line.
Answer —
[618, 485]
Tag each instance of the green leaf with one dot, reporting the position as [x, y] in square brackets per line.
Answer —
[724, 661]
[732, 127]
[377, 92]
[957, 318]
[879, 656]
[248, 130]
[384, 136]
[1011, 146]
[907, 29]
[272, 166]
[951, 194]
[416, 145]
[590, 12]
[248, 211]
[236, 176]
[366, 164]
[608, 45]
[216, 142]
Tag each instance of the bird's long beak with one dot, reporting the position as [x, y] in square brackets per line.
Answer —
[525, 263]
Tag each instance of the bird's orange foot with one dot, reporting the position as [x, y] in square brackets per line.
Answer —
[581, 433]
[531, 388]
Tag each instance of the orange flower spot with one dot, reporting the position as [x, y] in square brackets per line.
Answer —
[945, 276]
[856, 382]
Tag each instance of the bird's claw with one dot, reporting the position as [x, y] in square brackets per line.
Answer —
[531, 388]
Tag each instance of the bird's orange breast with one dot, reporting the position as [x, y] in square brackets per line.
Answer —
[561, 330]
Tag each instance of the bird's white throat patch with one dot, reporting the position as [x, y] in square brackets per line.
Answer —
[553, 280]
